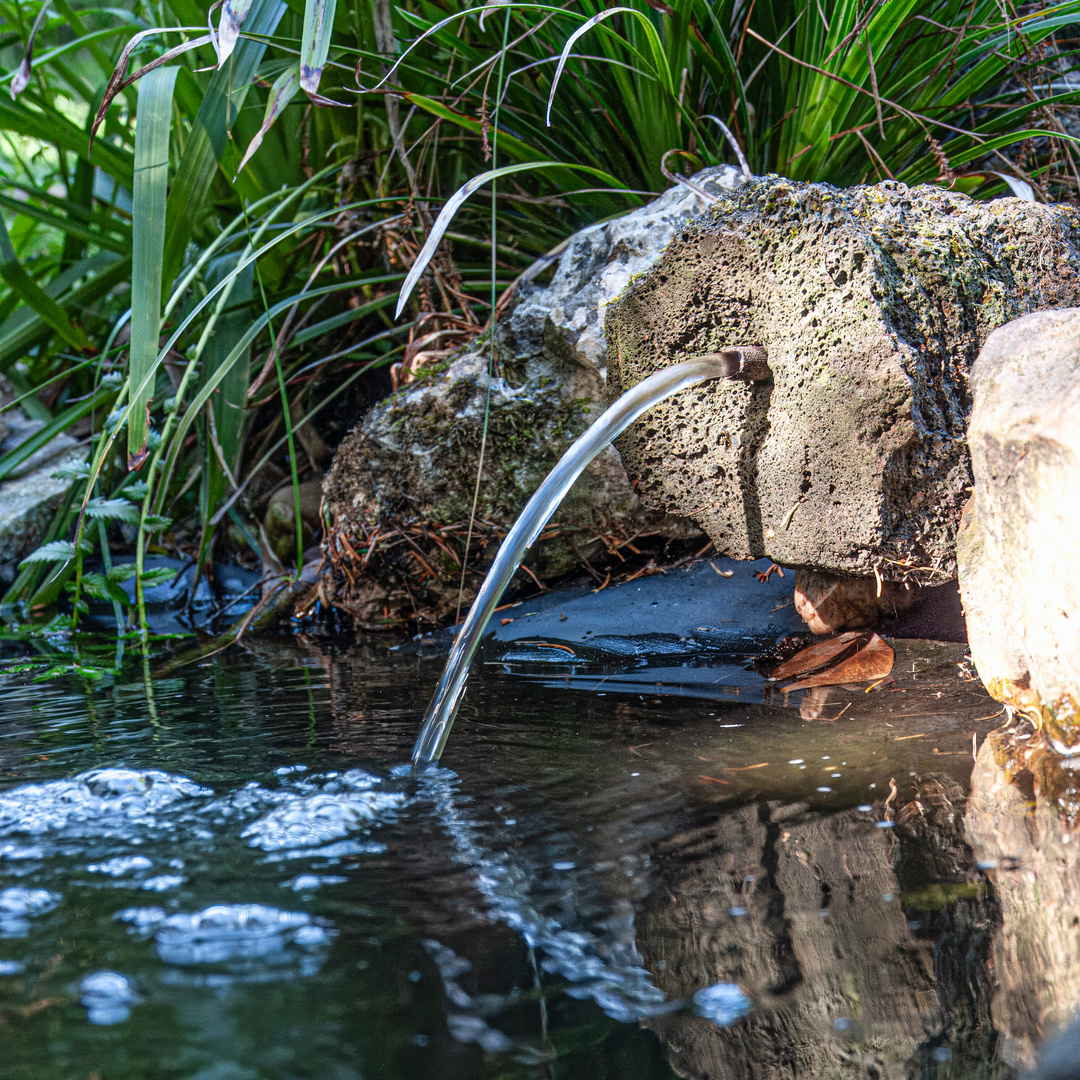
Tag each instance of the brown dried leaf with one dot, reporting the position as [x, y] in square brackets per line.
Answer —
[872, 659]
[820, 655]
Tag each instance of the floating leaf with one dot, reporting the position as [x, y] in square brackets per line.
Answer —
[856, 656]
[281, 93]
[817, 656]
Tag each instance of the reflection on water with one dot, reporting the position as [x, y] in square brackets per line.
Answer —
[1022, 813]
[226, 874]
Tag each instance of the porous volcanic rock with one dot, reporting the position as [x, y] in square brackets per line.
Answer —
[872, 303]
[1020, 536]
[410, 466]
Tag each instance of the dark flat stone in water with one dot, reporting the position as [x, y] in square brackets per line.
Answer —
[683, 612]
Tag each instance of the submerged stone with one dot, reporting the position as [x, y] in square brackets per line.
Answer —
[872, 303]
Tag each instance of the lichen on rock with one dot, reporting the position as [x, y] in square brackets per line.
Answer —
[872, 303]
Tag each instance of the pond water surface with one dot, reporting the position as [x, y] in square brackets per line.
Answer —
[223, 872]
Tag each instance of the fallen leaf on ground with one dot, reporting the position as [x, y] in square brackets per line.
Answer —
[854, 657]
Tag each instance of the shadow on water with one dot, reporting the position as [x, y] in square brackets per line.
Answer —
[616, 882]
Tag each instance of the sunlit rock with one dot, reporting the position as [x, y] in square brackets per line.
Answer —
[414, 457]
[1018, 542]
[872, 303]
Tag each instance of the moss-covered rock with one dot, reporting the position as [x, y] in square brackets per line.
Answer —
[400, 492]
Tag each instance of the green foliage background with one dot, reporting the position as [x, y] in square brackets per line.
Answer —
[187, 312]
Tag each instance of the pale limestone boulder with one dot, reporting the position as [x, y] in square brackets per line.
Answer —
[1019, 542]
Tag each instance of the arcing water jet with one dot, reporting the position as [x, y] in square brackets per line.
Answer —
[748, 364]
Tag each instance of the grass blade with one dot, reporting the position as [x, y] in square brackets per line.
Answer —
[21, 79]
[446, 215]
[209, 135]
[315, 45]
[148, 243]
[31, 294]
[281, 93]
[233, 15]
[657, 49]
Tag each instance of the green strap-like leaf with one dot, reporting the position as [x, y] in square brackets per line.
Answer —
[281, 93]
[148, 240]
[315, 45]
[209, 133]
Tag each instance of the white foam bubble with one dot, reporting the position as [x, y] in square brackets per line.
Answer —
[18, 905]
[346, 804]
[102, 802]
[234, 932]
[722, 1003]
[108, 997]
